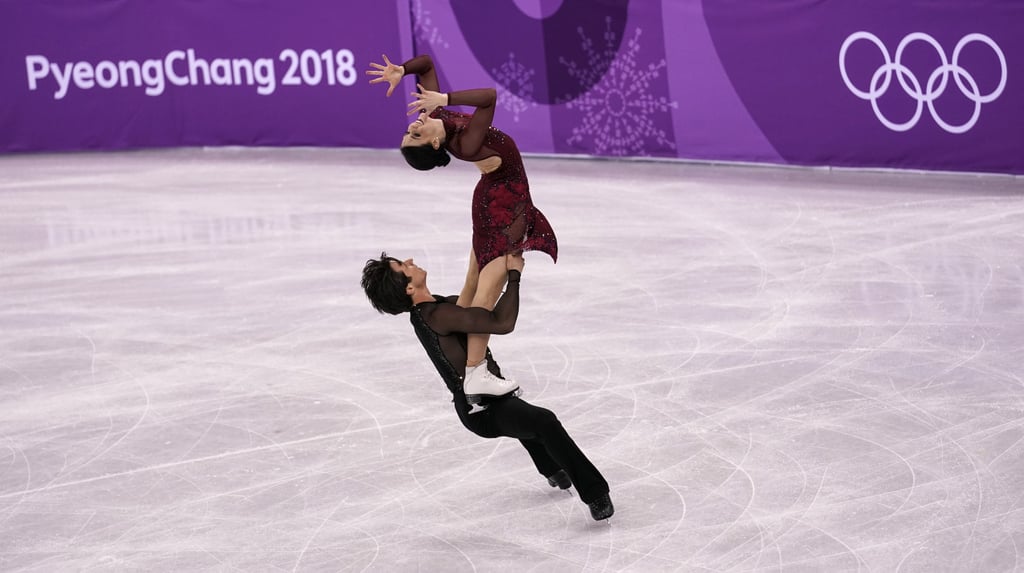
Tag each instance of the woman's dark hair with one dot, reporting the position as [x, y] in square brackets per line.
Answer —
[425, 157]
[385, 287]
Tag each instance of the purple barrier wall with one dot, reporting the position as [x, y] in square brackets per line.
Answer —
[107, 74]
[920, 84]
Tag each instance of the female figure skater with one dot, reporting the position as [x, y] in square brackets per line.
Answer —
[505, 220]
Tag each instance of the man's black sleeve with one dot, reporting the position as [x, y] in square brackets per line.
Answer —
[450, 318]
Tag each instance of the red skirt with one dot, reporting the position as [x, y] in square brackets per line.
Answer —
[505, 221]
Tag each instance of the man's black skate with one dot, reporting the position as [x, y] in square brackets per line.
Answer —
[601, 508]
[560, 479]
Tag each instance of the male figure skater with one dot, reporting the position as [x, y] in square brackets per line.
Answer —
[396, 287]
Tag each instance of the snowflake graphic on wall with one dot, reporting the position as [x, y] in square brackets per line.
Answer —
[619, 112]
[424, 27]
[517, 96]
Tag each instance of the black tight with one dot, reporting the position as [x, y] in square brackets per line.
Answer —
[541, 433]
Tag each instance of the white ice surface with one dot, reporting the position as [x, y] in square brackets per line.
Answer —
[776, 369]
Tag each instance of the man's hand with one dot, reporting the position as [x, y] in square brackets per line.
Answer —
[388, 72]
[514, 262]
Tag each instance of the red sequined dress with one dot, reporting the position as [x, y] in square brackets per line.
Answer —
[504, 217]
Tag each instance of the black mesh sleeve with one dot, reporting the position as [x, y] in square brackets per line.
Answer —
[423, 67]
[450, 318]
[484, 100]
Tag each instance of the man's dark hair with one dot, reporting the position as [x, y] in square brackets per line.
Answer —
[425, 157]
[385, 287]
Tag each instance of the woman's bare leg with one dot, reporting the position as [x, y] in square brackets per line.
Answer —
[491, 280]
[472, 278]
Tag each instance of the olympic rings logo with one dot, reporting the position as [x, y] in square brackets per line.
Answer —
[937, 82]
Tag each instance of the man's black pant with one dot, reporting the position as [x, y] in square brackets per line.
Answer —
[543, 436]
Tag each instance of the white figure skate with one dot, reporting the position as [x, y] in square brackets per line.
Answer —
[480, 385]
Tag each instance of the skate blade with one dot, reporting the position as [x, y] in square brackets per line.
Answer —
[473, 399]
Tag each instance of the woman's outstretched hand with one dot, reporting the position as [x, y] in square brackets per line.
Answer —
[426, 101]
[388, 72]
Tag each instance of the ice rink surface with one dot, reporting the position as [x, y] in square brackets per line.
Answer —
[775, 369]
